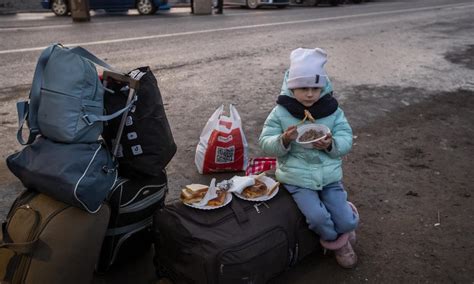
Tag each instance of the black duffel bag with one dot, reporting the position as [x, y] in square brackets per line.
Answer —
[243, 242]
[146, 144]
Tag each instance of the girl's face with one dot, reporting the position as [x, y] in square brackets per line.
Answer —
[307, 96]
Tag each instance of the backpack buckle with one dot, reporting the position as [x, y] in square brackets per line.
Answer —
[85, 117]
[108, 170]
[35, 131]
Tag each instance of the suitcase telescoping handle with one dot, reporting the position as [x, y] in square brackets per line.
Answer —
[133, 85]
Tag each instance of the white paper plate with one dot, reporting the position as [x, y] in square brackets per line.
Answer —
[227, 200]
[269, 182]
[305, 127]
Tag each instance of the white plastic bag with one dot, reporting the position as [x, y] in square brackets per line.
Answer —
[222, 145]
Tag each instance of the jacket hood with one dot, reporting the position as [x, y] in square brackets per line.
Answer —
[287, 92]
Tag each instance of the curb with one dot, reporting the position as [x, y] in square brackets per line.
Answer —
[16, 11]
[7, 12]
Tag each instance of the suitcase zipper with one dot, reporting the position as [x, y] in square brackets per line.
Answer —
[257, 205]
[144, 203]
[25, 261]
[25, 197]
[19, 263]
[128, 231]
[163, 185]
[224, 219]
[295, 257]
[278, 228]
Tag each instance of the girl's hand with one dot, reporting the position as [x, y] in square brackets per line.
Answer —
[324, 144]
[289, 135]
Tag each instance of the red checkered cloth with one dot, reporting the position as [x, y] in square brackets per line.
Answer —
[260, 164]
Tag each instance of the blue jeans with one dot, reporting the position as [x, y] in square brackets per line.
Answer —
[327, 212]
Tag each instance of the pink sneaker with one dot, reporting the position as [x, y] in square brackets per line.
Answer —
[345, 256]
[337, 244]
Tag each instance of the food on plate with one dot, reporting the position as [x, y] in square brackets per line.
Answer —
[196, 187]
[256, 190]
[275, 186]
[311, 135]
[193, 193]
[219, 200]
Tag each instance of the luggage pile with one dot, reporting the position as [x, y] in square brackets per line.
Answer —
[94, 170]
[85, 196]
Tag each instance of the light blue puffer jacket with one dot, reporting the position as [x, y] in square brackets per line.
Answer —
[308, 168]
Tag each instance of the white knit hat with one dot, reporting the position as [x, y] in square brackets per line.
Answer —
[307, 68]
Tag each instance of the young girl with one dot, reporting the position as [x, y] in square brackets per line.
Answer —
[313, 176]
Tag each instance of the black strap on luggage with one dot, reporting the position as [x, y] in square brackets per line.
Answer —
[239, 212]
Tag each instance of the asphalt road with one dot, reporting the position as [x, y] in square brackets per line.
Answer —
[240, 57]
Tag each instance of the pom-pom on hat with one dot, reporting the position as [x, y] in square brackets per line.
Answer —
[307, 68]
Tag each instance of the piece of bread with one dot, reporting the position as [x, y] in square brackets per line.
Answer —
[256, 190]
[193, 193]
[195, 187]
[219, 200]
[191, 197]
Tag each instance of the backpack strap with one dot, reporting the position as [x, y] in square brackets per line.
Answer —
[89, 56]
[92, 118]
[28, 111]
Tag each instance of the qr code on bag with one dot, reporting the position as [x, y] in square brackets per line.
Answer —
[225, 155]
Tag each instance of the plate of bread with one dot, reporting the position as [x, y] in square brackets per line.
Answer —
[193, 194]
[265, 188]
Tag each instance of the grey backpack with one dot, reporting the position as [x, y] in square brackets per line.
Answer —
[66, 98]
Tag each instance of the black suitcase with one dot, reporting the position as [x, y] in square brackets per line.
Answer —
[243, 242]
[132, 204]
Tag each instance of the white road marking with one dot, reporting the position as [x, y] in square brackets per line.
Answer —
[180, 14]
[119, 40]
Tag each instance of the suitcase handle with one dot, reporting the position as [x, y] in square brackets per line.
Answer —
[20, 248]
[132, 83]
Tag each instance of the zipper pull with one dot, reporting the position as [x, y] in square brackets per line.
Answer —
[256, 208]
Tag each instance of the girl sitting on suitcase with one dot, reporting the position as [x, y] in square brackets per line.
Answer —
[313, 176]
